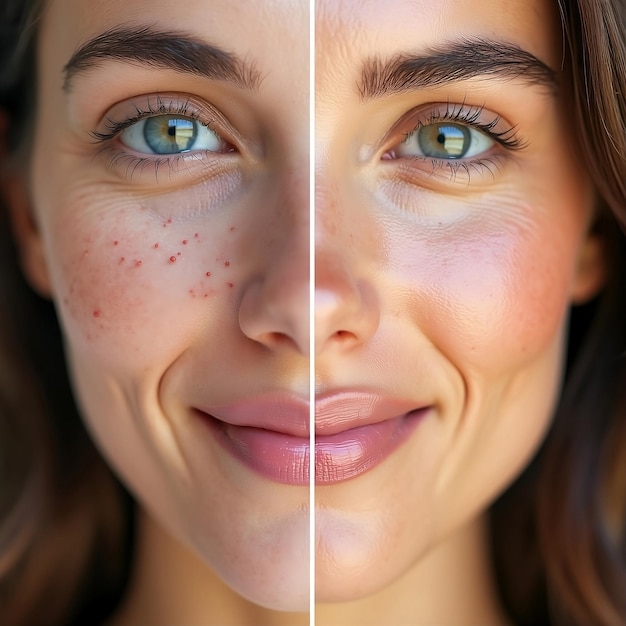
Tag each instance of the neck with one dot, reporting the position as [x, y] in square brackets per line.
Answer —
[453, 584]
[171, 585]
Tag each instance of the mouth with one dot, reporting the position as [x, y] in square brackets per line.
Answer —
[267, 434]
[354, 432]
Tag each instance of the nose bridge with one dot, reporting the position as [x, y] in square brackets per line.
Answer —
[346, 304]
[274, 309]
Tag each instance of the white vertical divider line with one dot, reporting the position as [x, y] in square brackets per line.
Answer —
[312, 312]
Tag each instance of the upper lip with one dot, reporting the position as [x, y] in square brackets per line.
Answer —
[343, 410]
[281, 412]
[335, 412]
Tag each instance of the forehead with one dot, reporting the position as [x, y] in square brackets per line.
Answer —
[349, 31]
[254, 31]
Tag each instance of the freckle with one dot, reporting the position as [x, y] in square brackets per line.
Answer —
[178, 254]
[96, 313]
[196, 235]
[172, 259]
[164, 225]
[185, 242]
[208, 274]
[226, 263]
[156, 245]
[122, 259]
[116, 242]
[138, 263]
[232, 229]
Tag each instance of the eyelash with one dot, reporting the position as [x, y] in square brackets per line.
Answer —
[470, 116]
[137, 164]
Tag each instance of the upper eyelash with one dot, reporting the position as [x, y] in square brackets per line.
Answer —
[114, 128]
[470, 116]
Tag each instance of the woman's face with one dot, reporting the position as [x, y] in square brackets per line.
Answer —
[451, 238]
[169, 182]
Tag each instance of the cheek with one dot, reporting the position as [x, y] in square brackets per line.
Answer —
[124, 276]
[493, 286]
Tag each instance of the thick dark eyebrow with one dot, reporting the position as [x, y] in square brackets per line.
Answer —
[172, 50]
[462, 60]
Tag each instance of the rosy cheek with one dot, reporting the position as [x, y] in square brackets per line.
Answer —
[135, 283]
[491, 290]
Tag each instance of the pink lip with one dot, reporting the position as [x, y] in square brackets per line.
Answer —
[269, 434]
[355, 431]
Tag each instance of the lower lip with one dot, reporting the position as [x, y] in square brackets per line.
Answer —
[353, 452]
[276, 456]
[285, 458]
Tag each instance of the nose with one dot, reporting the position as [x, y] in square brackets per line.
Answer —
[347, 311]
[274, 310]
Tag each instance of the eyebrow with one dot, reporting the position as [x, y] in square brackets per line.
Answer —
[171, 50]
[461, 60]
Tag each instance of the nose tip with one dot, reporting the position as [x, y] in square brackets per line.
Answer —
[274, 311]
[346, 312]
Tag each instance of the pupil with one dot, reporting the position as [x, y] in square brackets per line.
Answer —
[441, 138]
[171, 131]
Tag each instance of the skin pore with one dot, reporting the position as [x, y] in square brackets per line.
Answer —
[451, 222]
[167, 216]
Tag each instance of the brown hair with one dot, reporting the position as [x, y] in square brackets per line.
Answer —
[559, 533]
[65, 522]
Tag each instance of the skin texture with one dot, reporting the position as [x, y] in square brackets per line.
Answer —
[180, 284]
[449, 288]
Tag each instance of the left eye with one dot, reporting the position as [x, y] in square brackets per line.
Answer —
[445, 140]
[170, 134]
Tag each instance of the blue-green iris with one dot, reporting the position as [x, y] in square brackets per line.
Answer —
[168, 134]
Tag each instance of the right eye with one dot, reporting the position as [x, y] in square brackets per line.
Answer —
[172, 134]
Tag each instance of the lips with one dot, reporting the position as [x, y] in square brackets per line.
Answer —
[269, 434]
[354, 432]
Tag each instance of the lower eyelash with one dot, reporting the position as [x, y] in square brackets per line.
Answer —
[454, 167]
[138, 165]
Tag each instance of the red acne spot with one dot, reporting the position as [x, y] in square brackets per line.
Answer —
[169, 220]
[138, 263]
[122, 259]
[230, 284]
[172, 259]
[156, 245]
[116, 242]
[196, 235]
[208, 274]
[226, 263]
[185, 242]
[96, 313]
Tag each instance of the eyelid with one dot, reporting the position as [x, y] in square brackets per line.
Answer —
[480, 118]
[126, 113]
